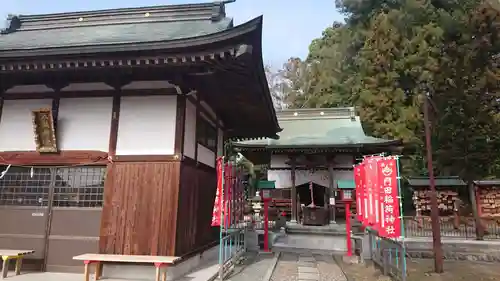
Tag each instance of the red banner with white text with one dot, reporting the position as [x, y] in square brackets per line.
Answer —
[359, 172]
[217, 210]
[390, 219]
[372, 190]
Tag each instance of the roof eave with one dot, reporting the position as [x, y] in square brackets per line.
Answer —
[332, 146]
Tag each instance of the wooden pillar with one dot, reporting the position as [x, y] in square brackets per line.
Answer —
[331, 189]
[475, 210]
[294, 193]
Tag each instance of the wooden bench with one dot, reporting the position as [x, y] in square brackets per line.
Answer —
[159, 262]
[17, 255]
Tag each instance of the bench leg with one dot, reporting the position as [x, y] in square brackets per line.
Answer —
[86, 272]
[19, 263]
[5, 266]
[164, 274]
[159, 266]
[98, 270]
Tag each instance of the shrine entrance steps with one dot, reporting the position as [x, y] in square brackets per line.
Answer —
[329, 240]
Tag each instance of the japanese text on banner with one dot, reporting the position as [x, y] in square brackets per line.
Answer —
[360, 199]
[390, 222]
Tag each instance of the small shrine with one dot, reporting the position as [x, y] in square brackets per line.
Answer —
[312, 161]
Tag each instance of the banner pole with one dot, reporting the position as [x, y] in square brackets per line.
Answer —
[221, 229]
[402, 216]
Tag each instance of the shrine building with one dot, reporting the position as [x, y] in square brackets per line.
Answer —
[110, 124]
[312, 161]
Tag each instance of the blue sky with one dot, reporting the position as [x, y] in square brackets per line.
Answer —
[289, 25]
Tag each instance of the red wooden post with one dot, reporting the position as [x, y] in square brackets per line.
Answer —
[348, 227]
[266, 225]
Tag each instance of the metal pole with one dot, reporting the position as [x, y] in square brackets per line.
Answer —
[436, 231]
[266, 223]
[348, 228]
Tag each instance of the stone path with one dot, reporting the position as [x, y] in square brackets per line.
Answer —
[306, 267]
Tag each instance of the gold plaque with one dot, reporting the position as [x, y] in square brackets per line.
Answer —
[43, 128]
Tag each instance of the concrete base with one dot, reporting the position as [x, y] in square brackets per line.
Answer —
[331, 229]
[310, 243]
[351, 259]
[455, 249]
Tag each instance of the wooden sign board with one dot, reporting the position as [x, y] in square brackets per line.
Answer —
[43, 129]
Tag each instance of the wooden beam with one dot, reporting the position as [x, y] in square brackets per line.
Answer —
[115, 121]
[147, 158]
[55, 113]
[65, 157]
[197, 118]
[294, 194]
[89, 94]
[180, 125]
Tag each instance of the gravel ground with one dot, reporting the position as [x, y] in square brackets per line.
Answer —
[421, 270]
[286, 268]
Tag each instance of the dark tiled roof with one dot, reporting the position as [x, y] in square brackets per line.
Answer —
[439, 181]
[487, 182]
[319, 127]
[117, 26]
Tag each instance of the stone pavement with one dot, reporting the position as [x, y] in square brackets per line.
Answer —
[307, 267]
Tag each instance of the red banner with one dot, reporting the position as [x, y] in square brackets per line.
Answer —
[216, 213]
[371, 181]
[390, 219]
[358, 182]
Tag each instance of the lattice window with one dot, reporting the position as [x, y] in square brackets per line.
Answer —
[19, 188]
[72, 187]
[79, 187]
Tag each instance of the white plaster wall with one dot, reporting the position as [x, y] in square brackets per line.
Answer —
[340, 160]
[84, 123]
[206, 156]
[190, 130]
[16, 125]
[283, 177]
[147, 125]
[284, 180]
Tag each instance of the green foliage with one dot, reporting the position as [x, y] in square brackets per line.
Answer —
[389, 54]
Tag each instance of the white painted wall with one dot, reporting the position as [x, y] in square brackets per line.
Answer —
[190, 130]
[283, 177]
[206, 156]
[84, 123]
[147, 125]
[16, 124]
[340, 160]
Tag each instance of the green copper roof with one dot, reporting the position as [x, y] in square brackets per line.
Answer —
[439, 181]
[346, 184]
[117, 26]
[332, 127]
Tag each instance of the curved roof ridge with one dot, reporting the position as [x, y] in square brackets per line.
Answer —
[213, 11]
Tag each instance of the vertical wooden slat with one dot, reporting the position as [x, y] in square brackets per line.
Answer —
[139, 217]
[198, 188]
